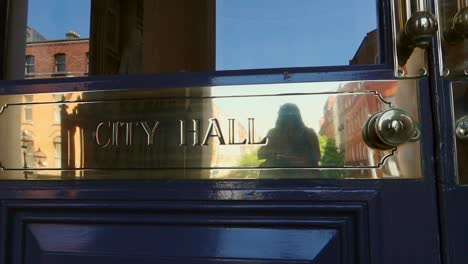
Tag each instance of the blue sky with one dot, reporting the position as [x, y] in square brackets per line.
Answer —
[290, 33]
[54, 18]
[250, 33]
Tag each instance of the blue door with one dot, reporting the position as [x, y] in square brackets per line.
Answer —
[233, 131]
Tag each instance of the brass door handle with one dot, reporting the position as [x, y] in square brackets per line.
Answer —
[461, 129]
[421, 25]
[452, 38]
[389, 129]
[414, 27]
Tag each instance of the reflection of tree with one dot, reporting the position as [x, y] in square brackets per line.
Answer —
[248, 160]
[331, 157]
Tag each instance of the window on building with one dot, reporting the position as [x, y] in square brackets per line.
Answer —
[87, 62]
[28, 111]
[28, 155]
[29, 66]
[60, 63]
[27, 146]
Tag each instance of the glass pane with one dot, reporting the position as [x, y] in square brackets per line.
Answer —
[280, 33]
[29, 67]
[60, 63]
[304, 131]
[153, 36]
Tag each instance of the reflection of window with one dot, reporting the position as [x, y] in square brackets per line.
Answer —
[57, 117]
[28, 148]
[87, 62]
[60, 63]
[27, 145]
[29, 66]
[58, 152]
[28, 114]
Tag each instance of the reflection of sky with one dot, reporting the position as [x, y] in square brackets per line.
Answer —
[54, 18]
[265, 109]
[255, 34]
[250, 33]
[290, 33]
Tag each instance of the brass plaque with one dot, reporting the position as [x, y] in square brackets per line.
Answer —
[301, 130]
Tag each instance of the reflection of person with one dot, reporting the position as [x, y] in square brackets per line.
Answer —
[290, 144]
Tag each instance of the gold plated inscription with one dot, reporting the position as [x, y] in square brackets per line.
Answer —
[214, 130]
[114, 130]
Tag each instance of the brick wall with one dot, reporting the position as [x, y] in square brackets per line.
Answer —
[44, 53]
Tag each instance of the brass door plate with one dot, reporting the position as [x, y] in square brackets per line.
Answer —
[300, 130]
[453, 47]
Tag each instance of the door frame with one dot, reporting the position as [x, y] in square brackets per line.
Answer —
[383, 196]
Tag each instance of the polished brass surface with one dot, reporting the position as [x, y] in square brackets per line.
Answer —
[460, 128]
[452, 38]
[413, 27]
[301, 130]
[389, 129]
[420, 29]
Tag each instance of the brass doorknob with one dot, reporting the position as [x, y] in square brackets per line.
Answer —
[461, 129]
[389, 129]
[420, 28]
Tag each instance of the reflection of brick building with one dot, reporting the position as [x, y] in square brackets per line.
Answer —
[357, 110]
[56, 58]
[331, 124]
[368, 51]
[327, 126]
[41, 131]
[41, 128]
[345, 115]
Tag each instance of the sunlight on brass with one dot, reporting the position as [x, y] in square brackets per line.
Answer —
[274, 131]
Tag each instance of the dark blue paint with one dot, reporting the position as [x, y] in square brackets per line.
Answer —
[244, 230]
[209, 242]
[385, 31]
[452, 197]
[387, 221]
[174, 80]
[3, 35]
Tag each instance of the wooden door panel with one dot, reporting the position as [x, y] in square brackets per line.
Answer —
[78, 259]
[371, 221]
[58, 243]
[290, 233]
